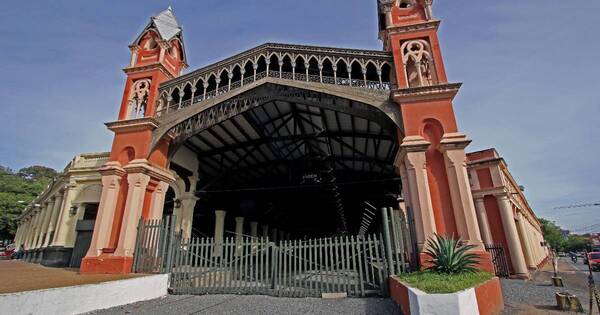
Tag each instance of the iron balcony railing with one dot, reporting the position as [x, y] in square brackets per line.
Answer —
[351, 82]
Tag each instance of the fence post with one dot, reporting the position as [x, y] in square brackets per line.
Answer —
[136, 251]
[386, 239]
[171, 243]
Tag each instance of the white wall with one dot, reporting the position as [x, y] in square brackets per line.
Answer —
[84, 298]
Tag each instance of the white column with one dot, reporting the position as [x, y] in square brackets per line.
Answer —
[65, 227]
[219, 231]
[36, 230]
[482, 219]
[512, 236]
[54, 217]
[111, 185]
[185, 216]
[522, 232]
[46, 222]
[137, 184]
[254, 229]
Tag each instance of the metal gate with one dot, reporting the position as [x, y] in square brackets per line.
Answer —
[356, 265]
[498, 259]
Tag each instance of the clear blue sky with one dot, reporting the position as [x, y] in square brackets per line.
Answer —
[530, 71]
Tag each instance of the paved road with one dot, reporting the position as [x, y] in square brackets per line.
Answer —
[246, 305]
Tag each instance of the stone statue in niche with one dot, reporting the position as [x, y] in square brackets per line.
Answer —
[418, 62]
[138, 98]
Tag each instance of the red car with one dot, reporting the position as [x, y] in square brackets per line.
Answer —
[6, 252]
[593, 259]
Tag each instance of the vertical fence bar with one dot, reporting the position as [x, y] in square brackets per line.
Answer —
[386, 238]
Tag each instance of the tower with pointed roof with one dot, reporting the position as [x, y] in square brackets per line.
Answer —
[133, 176]
[157, 55]
[432, 156]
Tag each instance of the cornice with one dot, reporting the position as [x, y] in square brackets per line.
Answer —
[426, 93]
[148, 67]
[416, 27]
[146, 123]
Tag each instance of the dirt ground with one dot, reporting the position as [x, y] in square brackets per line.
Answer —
[19, 276]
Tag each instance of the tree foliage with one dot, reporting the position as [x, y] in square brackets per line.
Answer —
[561, 242]
[17, 189]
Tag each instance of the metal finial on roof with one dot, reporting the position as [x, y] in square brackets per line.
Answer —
[170, 8]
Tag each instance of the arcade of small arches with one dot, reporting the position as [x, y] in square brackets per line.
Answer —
[331, 66]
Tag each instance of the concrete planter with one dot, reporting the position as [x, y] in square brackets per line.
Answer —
[483, 299]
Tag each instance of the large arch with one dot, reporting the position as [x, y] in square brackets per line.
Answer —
[287, 155]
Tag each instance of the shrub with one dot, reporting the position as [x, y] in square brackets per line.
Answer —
[450, 256]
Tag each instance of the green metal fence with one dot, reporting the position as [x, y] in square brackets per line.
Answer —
[356, 265]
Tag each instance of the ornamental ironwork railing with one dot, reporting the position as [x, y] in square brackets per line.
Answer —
[345, 67]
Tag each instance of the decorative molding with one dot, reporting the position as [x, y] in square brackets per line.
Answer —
[133, 124]
[426, 93]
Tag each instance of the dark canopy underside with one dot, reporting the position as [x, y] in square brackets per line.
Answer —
[300, 167]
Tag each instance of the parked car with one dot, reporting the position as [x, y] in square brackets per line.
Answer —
[6, 252]
[562, 254]
[594, 260]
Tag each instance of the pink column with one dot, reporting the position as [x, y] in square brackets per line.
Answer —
[112, 173]
[412, 158]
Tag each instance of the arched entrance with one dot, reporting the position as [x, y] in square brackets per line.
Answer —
[300, 162]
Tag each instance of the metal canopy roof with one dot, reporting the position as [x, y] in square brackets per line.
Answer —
[279, 137]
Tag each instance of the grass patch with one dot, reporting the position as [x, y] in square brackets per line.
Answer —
[433, 282]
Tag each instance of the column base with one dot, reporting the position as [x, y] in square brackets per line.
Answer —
[57, 256]
[38, 256]
[484, 264]
[106, 264]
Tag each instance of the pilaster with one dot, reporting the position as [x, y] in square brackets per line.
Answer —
[112, 173]
[453, 147]
[412, 157]
[137, 183]
[482, 219]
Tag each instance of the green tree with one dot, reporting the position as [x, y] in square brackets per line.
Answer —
[553, 235]
[578, 243]
[17, 190]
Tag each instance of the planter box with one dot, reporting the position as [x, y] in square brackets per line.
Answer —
[484, 299]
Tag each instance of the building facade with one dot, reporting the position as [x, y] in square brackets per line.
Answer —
[55, 228]
[281, 134]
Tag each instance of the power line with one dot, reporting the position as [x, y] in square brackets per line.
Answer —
[582, 205]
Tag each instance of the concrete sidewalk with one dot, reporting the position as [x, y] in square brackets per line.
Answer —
[248, 304]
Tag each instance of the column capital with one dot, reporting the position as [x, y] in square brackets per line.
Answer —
[239, 219]
[454, 141]
[220, 213]
[144, 167]
[112, 168]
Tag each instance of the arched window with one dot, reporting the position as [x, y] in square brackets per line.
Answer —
[237, 74]
[274, 65]
[249, 68]
[327, 68]
[313, 66]
[138, 98]
[224, 79]
[287, 64]
[187, 93]
[372, 72]
[300, 68]
[342, 72]
[418, 63]
[262, 64]
[357, 73]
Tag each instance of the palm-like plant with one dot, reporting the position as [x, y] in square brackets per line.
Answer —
[450, 256]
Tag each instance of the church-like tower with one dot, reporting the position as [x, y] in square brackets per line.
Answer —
[135, 181]
[432, 159]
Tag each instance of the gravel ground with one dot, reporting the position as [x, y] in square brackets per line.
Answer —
[245, 304]
[537, 296]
